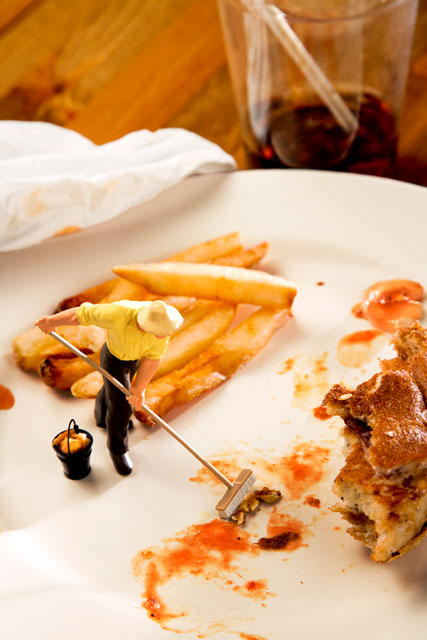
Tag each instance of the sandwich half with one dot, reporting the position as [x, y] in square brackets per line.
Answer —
[382, 487]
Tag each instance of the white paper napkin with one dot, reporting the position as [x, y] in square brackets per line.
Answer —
[53, 178]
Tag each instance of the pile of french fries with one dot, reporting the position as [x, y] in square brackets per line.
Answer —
[207, 283]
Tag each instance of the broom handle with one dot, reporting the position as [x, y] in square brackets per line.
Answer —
[151, 413]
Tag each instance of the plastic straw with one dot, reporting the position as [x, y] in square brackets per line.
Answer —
[277, 22]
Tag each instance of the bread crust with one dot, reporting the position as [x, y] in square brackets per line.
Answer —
[383, 484]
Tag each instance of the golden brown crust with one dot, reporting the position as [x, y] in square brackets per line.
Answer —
[393, 406]
[383, 477]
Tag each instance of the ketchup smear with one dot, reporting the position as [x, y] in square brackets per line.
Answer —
[6, 398]
[390, 303]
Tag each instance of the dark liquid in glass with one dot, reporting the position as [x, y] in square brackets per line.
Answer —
[309, 136]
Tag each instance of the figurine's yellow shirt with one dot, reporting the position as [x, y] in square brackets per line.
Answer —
[124, 339]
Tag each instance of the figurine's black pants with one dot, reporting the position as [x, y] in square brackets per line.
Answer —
[112, 409]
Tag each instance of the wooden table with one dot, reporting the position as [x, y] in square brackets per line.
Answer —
[107, 67]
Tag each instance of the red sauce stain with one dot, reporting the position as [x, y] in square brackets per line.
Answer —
[6, 398]
[391, 303]
[319, 364]
[358, 348]
[206, 550]
[280, 523]
[312, 501]
[229, 468]
[321, 413]
[256, 589]
[310, 386]
[297, 471]
[250, 636]
[286, 366]
[302, 469]
[320, 283]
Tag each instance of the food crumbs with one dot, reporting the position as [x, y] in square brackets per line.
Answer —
[283, 532]
[281, 541]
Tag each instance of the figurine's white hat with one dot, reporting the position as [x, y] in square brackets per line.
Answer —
[159, 318]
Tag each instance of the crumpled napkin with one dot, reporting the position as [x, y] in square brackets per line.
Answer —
[53, 180]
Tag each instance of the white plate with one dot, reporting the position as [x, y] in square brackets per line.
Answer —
[67, 547]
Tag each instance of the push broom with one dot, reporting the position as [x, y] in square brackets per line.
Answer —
[236, 491]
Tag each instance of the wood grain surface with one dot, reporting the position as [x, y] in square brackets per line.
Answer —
[108, 67]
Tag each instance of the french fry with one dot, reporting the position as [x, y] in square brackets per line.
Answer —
[113, 290]
[94, 294]
[245, 257]
[126, 290]
[183, 347]
[191, 309]
[186, 345]
[201, 355]
[32, 346]
[212, 282]
[209, 250]
[216, 364]
[28, 346]
[61, 372]
[87, 386]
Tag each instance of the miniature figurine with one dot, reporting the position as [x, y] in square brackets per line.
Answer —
[137, 338]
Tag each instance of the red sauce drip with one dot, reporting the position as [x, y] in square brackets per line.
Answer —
[255, 589]
[358, 348]
[207, 549]
[311, 385]
[6, 398]
[359, 337]
[320, 283]
[390, 303]
[230, 468]
[321, 413]
[302, 469]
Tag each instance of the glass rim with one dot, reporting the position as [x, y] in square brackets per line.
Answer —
[359, 14]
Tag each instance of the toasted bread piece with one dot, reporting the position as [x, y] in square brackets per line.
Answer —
[383, 484]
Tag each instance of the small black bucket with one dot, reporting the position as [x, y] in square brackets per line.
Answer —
[76, 465]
